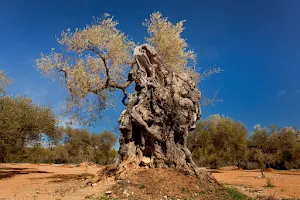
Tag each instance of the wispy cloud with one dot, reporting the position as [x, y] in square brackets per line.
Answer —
[256, 126]
[37, 95]
[65, 121]
[297, 92]
[59, 108]
[280, 93]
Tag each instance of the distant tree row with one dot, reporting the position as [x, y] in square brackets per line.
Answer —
[275, 147]
[220, 141]
[77, 146]
[30, 133]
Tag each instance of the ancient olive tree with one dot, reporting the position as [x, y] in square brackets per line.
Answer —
[164, 106]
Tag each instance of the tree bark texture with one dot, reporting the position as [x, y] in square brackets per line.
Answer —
[160, 112]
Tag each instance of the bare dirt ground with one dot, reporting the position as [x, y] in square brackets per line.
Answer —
[32, 181]
[55, 182]
[286, 183]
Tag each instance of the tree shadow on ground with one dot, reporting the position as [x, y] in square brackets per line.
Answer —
[286, 173]
[60, 178]
[7, 172]
[214, 171]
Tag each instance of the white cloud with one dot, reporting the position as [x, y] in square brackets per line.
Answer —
[59, 108]
[65, 121]
[37, 95]
[281, 93]
[256, 126]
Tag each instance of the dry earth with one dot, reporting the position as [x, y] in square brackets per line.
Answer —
[55, 182]
[286, 183]
[28, 181]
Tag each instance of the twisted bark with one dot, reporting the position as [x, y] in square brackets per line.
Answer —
[160, 112]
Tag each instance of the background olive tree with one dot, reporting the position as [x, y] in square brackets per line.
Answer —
[219, 141]
[21, 123]
[275, 147]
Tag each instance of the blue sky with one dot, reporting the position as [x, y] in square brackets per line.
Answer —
[257, 43]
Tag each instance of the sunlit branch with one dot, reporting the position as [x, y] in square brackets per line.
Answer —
[205, 101]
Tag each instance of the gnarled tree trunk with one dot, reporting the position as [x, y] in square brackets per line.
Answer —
[161, 111]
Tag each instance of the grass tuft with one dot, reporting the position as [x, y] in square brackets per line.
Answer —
[234, 194]
[269, 183]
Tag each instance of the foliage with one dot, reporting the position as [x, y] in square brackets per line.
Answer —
[83, 146]
[4, 81]
[98, 60]
[219, 141]
[22, 122]
[275, 147]
[76, 147]
[166, 38]
[93, 63]
[29, 133]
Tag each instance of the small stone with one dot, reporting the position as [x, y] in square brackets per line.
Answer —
[145, 161]
[94, 184]
[126, 193]
[165, 197]
[108, 192]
